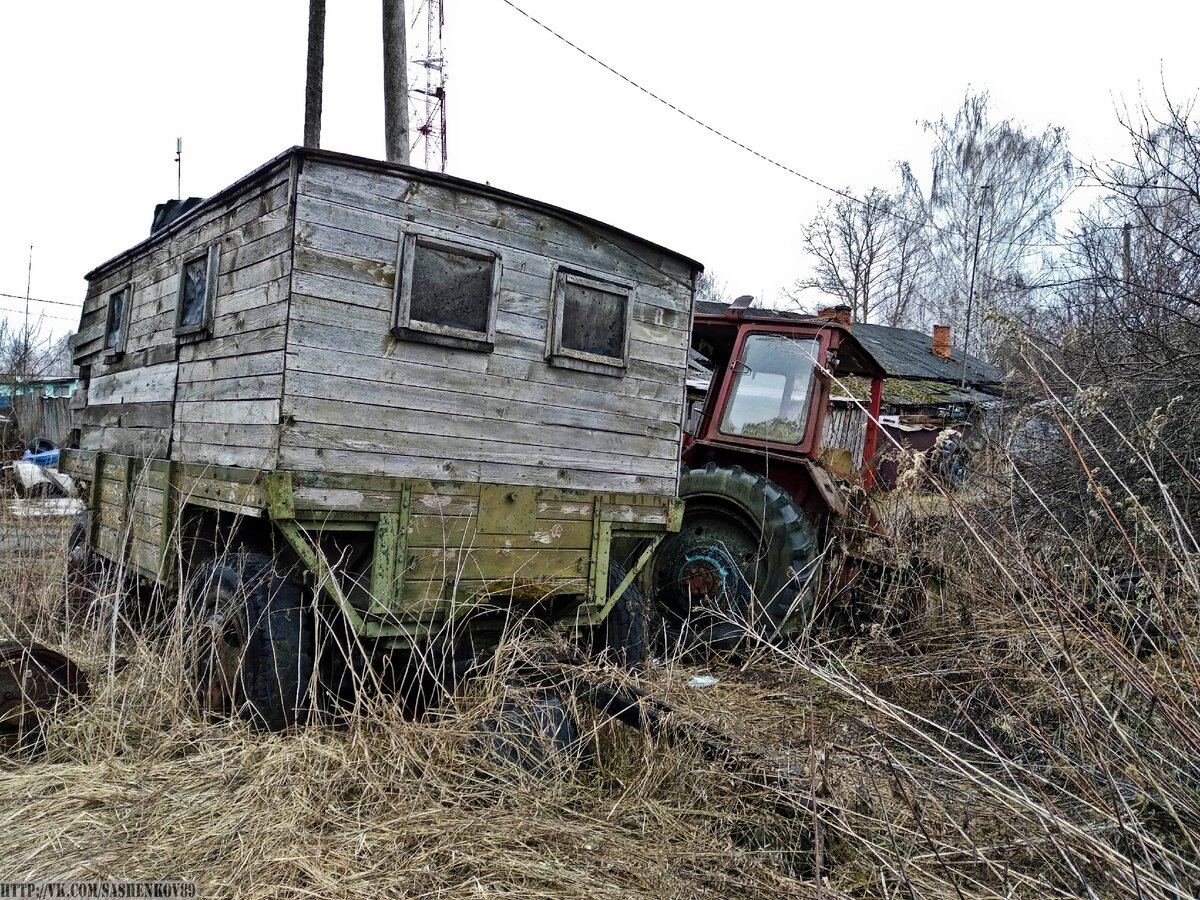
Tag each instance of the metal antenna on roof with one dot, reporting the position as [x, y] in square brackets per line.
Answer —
[428, 97]
[178, 168]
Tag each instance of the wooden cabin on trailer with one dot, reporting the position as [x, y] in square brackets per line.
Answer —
[428, 389]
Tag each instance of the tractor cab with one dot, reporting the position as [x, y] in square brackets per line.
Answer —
[774, 373]
[764, 471]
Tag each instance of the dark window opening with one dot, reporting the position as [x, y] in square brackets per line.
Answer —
[114, 329]
[195, 292]
[594, 321]
[590, 328]
[450, 288]
[446, 293]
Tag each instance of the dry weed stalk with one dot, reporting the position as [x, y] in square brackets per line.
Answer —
[1024, 725]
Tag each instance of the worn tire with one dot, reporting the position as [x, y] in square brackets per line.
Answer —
[252, 641]
[624, 634]
[531, 729]
[79, 558]
[743, 562]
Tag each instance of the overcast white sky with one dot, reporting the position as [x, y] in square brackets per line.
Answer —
[93, 95]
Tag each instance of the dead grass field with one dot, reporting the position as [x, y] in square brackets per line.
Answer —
[1008, 741]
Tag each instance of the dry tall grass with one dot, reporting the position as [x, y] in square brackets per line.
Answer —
[1030, 730]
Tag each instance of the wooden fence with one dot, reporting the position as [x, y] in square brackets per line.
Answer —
[42, 417]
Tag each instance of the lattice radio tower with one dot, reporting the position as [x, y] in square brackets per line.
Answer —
[427, 91]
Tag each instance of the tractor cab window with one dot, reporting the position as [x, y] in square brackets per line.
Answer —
[771, 387]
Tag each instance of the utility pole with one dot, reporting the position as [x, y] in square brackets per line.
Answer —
[395, 82]
[313, 87]
[971, 300]
[24, 360]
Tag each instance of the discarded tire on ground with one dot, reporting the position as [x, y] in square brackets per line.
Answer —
[251, 641]
[531, 729]
[33, 680]
[742, 563]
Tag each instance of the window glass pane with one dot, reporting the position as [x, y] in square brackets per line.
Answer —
[116, 317]
[770, 392]
[195, 286]
[452, 289]
[593, 321]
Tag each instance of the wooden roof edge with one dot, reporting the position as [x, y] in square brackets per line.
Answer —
[268, 168]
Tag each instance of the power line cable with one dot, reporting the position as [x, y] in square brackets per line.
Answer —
[17, 312]
[37, 300]
[732, 140]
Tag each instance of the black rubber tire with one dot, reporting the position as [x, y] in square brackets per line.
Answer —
[85, 573]
[77, 549]
[624, 633]
[743, 561]
[242, 602]
[531, 729]
[41, 445]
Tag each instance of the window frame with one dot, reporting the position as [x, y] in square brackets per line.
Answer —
[212, 255]
[405, 327]
[570, 358]
[117, 350]
[716, 412]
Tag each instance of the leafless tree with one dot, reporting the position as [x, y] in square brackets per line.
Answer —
[1121, 341]
[906, 256]
[711, 288]
[26, 354]
[993, 197]
[848, 240]
[905, 285]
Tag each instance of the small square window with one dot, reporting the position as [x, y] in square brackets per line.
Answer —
[590, 327]
[197, 290]
[116, 322]
[446, 293]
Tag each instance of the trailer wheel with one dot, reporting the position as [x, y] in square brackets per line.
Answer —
[81, 562]
[624, 632]
[742, 562]
[252, 641]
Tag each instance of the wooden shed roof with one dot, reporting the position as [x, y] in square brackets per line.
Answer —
[412, 172]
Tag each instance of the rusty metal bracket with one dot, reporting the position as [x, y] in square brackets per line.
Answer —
[326, 581]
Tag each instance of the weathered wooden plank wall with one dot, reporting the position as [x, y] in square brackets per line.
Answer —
[846, 429]
[300, 371]
[359, 401]
[212, 398]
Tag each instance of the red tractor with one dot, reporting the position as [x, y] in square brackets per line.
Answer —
[759, 493]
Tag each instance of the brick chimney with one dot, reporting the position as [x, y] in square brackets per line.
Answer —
[839, 314]
[941, 341]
